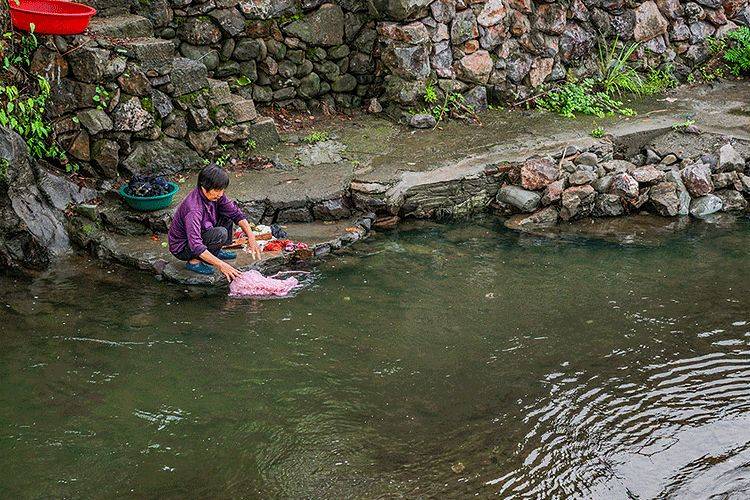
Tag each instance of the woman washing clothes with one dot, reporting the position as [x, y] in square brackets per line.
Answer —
[203, 224]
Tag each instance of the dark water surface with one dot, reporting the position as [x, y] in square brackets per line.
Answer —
[445, 361]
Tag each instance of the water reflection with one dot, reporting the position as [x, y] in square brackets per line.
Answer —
[435, 361]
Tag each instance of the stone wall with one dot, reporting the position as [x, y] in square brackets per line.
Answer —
[303, 53]
[298, 54]
[181, 77]
[505, 48]
[123, 102]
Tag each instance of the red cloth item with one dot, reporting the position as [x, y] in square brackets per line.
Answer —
[276, 245]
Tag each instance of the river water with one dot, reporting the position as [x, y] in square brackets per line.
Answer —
[445, 361]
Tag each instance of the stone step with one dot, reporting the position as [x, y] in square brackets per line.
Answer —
[153, 54]
[121, 26]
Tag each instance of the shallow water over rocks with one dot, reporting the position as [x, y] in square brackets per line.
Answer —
[434, 360]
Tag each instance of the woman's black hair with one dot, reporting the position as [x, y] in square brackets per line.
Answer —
[213, 177]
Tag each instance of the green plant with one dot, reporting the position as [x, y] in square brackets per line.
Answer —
[598, 132]
[452, 103]
[316, 136]
[682, 125]
[716, 46]
[659, 80]
[738, 55]
[430, 93]
[617, 75]
[101, 97]
[243, 81]
[25, 115]
[222, 160]
[573, 97]
[251, 145]
[20, 48]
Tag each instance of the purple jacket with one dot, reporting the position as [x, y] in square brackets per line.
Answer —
[196, 214]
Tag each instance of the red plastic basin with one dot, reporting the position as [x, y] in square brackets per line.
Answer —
[51, 17]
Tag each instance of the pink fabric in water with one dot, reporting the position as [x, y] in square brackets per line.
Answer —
[254, 284]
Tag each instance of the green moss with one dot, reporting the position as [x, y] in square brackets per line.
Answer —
[147, 104]
[193, 97]
[4, 165]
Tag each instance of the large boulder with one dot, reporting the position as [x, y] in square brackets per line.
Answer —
[410, 62]
[464, 27]
[577, 201]
[576, 43]
[682, 193]
[731, 200]
[624, 186]
[705, 205]
[730, 159]
[538, 173]
[664, 199]
[188, 76]
[608, 205]
[475, 67]
[200, 31]
[130, 116]
[403, 9]
[493, 13]
[267, 9]
[697, 179]
[324, 26]
[32, 201]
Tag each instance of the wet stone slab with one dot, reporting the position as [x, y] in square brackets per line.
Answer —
[150, 253]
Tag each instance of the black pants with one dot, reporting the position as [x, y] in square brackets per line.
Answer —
[214, 238]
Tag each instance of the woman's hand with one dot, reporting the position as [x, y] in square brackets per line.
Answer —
[229, 272]
[252, 246]
[253, 249]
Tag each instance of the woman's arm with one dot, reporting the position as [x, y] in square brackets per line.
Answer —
[252, 245]
[226, 269]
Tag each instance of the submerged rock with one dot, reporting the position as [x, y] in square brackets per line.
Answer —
[545, 217]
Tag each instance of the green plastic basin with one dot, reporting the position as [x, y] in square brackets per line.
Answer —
[149, 203]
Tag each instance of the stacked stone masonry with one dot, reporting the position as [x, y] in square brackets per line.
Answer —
[122, 101]
[309, 53]
[160, 84]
